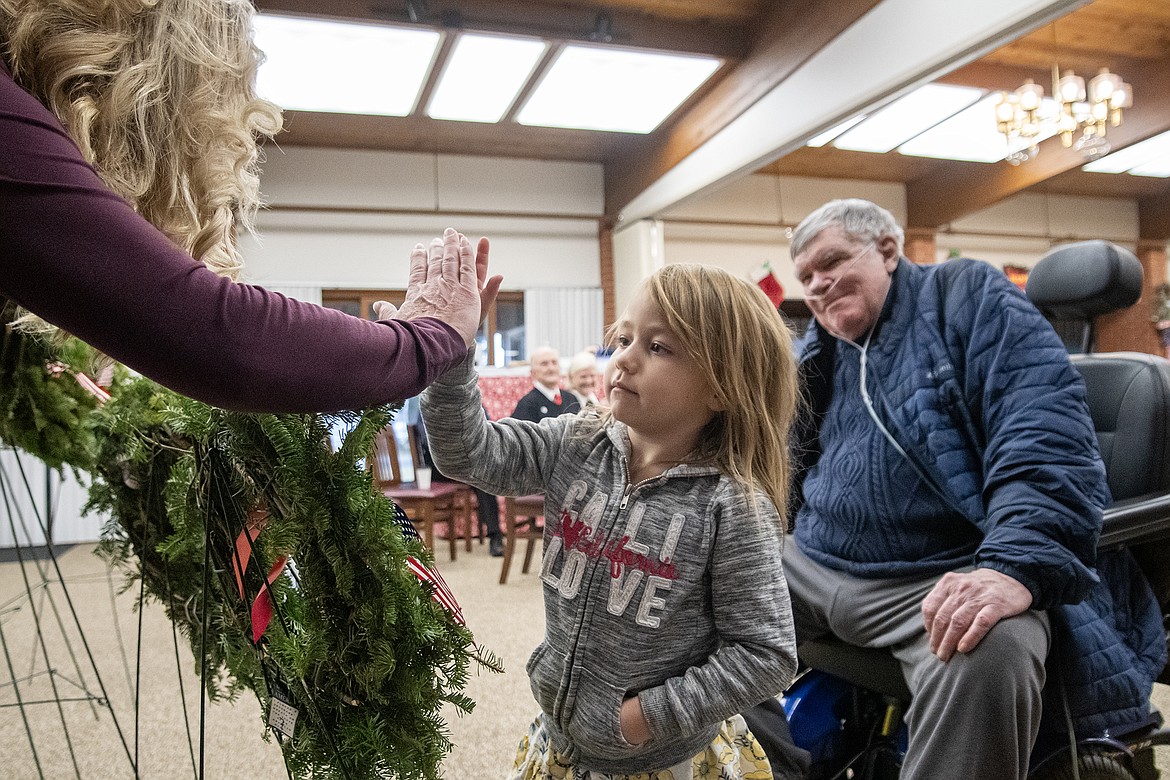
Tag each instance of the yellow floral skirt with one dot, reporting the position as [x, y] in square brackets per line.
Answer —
[734, 754]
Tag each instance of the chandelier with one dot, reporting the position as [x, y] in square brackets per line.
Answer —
[1080, 115]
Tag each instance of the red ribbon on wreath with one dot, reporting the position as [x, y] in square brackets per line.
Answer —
[262, 604]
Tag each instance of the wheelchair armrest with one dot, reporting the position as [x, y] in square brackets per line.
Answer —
[1139, 519]
[868, 667]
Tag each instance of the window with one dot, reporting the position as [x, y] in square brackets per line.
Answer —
[504, 321]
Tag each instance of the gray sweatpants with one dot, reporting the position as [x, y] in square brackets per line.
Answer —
[975, 716]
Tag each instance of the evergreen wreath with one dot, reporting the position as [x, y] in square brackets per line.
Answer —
[358, 646]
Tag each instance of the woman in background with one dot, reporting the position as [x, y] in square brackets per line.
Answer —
[582, 376]
[129, 134]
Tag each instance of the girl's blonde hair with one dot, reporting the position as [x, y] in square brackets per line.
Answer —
[744, 348]
[160, 97]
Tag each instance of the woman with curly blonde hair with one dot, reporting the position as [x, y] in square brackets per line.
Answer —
[129, 130]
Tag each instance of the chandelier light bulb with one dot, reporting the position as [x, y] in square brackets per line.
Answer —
[1005, 110]
[1080, 116]
[1122, 96]
[1072, 87]
[1023, 155]
[1029, 95]
[1103, 85]
[1092, 146]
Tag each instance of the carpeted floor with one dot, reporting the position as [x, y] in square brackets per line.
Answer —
[507, 619]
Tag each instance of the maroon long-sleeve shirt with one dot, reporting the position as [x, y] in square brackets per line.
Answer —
[79, 256]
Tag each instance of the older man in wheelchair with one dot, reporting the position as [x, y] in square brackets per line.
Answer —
[951, 501]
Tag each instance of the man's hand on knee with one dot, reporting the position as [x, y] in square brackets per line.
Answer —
[960, 610]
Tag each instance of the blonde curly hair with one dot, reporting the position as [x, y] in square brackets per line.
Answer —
[160, 97]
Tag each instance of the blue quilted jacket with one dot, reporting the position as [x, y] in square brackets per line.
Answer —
[979, 392]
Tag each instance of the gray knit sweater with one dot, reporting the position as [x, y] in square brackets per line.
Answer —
[670, 589]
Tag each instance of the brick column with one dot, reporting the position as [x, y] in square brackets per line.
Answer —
[920, 247]
[1132, 329]
[605, 251]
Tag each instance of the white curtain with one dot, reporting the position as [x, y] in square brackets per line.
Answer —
[568, 319]
[299, 291]
[35, 496]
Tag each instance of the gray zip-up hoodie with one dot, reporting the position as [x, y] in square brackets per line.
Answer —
[670, 589]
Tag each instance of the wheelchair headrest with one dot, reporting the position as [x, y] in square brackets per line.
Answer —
[1083, 280]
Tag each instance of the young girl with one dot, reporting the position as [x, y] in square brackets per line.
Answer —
[666, 608]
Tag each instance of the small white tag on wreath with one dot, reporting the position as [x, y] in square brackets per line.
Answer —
[282, 716]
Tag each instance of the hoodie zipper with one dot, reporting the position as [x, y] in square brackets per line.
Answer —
[631, 488]
[559, 714]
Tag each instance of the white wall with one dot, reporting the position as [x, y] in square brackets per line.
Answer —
[1034, 223]
[348, 218]
[747, 223]
[785, 200]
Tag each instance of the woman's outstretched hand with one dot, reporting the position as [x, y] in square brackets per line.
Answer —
[448, 281]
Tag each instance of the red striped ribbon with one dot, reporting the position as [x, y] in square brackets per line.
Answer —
[262, 604]
[440, 591]
[262, 608]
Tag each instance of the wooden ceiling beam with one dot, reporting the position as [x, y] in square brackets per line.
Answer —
[935, 200]
[418, 133]
[995, 76]
[990, 74]
[559, 22]
[790, 33]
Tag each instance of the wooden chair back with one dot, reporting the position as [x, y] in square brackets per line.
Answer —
[384, 460]
[523, 521]
[452, 503]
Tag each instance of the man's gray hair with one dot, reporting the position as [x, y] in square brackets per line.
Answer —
[858, 219]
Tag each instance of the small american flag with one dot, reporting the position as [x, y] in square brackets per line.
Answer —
[440, 591]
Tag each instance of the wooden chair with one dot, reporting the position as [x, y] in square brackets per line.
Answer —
[444, 502]
[523, 520]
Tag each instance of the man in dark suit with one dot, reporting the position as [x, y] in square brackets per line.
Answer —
[545, 399]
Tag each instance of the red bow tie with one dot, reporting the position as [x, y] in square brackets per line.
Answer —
[557, 399]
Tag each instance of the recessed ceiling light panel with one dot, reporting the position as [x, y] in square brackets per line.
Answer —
[833, 132]
[482, 77]
[971, 135]
[1137, 158]
[907, 117]
[1158, 168]
[315, 65]
[620, 90]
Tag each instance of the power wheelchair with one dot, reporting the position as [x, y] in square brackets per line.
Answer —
[846, 706]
